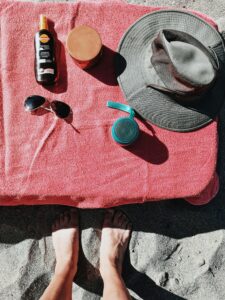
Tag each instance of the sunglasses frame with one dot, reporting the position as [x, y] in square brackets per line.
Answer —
[49, 107]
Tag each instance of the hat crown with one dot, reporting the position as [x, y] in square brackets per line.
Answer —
[183, 64]
[191, 63]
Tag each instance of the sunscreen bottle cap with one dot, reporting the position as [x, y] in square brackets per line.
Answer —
[43, 22]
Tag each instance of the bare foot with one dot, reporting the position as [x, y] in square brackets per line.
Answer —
[115, 237]
[65, 238]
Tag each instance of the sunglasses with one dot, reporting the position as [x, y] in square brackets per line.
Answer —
[34, 102]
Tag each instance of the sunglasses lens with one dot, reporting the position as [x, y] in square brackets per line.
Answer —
[33, 102]
[61, 109]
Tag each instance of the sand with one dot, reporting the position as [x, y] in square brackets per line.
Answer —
[177, 251]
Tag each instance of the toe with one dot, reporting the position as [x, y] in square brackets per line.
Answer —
[123, 224]
[61, 219]
[129, 226]
[108, 219]
[119, 219]
[67, 218]
[56, 224]
[74, 217]
[117, 215]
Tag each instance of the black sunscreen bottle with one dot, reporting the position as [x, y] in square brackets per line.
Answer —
[45, 62]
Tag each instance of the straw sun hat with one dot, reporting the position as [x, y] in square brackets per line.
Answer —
[174, 74]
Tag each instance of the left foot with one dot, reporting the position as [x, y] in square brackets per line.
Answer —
[65, 236]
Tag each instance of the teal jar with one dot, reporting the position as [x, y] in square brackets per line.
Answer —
[125, 131]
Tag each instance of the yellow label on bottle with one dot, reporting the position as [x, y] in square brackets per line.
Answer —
[44, 38]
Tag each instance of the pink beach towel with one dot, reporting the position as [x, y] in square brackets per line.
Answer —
[44, 160]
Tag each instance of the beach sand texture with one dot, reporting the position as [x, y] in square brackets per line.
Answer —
[177, 251]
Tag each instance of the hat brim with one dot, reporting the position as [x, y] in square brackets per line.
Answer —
[157, 107]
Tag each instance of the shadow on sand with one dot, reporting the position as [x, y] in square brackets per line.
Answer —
[175, 218]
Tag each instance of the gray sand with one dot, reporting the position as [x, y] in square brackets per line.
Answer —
[177, 251]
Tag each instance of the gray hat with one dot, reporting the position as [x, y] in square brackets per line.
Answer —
[174, 69]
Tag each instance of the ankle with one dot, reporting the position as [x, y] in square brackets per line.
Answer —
[67, 270]
[108, 269]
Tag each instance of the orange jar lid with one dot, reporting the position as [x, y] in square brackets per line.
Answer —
[84, 45]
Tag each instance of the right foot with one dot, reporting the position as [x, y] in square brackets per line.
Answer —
[65, 238]
[114, 241]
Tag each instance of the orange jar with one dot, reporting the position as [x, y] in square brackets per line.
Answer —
[84, 45]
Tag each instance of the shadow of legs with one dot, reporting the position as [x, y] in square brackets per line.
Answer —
[143, 286]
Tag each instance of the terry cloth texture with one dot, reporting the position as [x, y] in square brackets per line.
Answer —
[44, 160]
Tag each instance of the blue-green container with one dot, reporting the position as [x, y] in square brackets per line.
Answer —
[125, 131]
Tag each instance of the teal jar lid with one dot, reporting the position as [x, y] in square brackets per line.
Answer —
[125, 131]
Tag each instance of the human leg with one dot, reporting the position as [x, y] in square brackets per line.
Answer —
[65, 238]
[115, 237]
